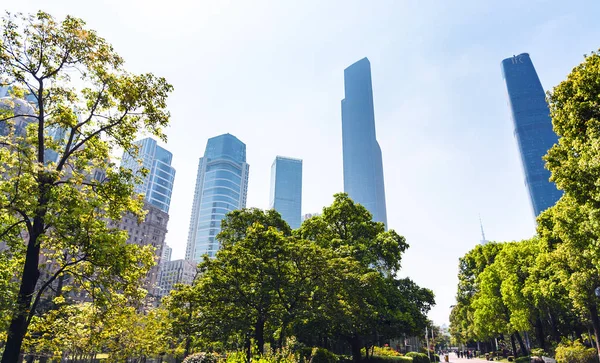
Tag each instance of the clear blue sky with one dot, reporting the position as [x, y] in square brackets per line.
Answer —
[271, 73]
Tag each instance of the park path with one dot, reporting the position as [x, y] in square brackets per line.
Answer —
[454, 359]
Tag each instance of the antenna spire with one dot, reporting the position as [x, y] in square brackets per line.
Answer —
[483, 240]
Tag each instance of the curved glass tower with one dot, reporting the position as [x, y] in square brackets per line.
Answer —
[533, 129]
[158, 183]
[363, 165]
[221, 187]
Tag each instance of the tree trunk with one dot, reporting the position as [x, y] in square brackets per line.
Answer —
[188, 344]
[524, 349]
[596, 325]
[31, 274]
[539, 332]
[248, 349]
[356, 346]
[259, 335]
[513, 345]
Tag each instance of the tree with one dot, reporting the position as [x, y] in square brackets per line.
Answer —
[368, 300]
[570, 236]
[57, 210]
[260, 281]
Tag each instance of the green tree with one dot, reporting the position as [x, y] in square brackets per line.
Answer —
[570, 238]
[368, 300]
[56, 211]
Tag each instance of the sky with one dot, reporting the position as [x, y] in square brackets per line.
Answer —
[271, 73]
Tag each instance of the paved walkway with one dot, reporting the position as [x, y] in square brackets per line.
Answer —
[454, 359]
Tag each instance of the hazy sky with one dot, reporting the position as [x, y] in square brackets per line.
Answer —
[271, 73]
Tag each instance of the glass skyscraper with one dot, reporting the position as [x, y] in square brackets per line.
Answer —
[286, 189]
[221, 187]
[158, 183]
[363, 165]
[533, 129]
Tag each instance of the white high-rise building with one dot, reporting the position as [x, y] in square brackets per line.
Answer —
[175, 272]
[166, 254]
[221, 187]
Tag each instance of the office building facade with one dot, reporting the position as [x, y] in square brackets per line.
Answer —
[221, 187]
[151, 231]
[157, 185]
[363, 164]
[286, 189]
[532, 129]
[175, 272]
[166, 254]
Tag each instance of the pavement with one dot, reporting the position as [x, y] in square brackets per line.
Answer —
[455, 359]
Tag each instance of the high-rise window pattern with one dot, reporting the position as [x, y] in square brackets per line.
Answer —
[363, 165]
[532, 129]
[157, 185]
[286, 189]
[221, 187]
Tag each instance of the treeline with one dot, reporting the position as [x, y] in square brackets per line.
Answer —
[546, 286]
[329, 284]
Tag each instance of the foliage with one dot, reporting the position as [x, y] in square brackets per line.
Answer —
[418, 357]
[385, 352]
[575, 352]
[55, 211]
[526, 359]
[201, 358]
[322, 355]
[320, 283]
[537, 352]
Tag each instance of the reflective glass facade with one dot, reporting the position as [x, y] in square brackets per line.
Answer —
[363, 165]
[286, 189]
[221, 187]
[157, 186]
[532, 128]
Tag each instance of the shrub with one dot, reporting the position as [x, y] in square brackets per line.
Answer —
[538, 352]
[575, 352]
[418, 357]
[322, 355]
[385, 352]
[511, 358]
[523, 360]
[201, 358]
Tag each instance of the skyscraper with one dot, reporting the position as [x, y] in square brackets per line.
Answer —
[533, 129]
[158, 183]
[221, 187]
[363, 165]
[286, 189]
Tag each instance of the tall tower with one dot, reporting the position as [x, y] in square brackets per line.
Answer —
[286, 189]
[221, 187]
[363, 165]
[533, 129]
[158, 183]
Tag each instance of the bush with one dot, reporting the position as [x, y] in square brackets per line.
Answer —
[523, 360]
[538, 352]
[511, 358]
[418, 357]
[385, 352]
[322, 355]
[201, 358]
[575, 352]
